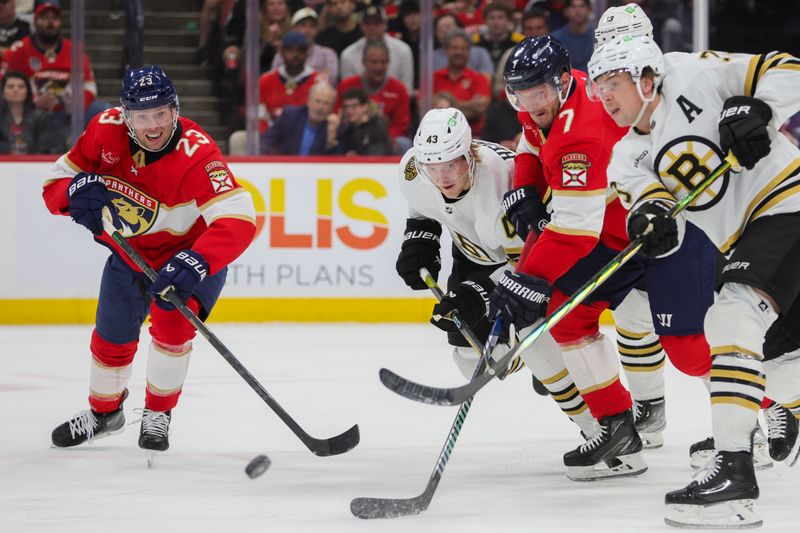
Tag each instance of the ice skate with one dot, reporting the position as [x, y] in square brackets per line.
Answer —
[650, 419]
[701, 452]
[722, 495]
[88, 426]
[154, 433]
[782, 430]
[613, 452]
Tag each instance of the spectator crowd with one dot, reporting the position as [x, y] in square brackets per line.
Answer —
[337, 77]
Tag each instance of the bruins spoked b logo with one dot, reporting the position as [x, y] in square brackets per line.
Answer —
[684, 162]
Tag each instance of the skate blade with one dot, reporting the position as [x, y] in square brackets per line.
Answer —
[652, 441]
[99, 437]
[761, 458]
[625, 466]
[734, 514]
[151, 457]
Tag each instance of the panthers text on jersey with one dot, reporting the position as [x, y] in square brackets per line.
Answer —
[682, 147]
[571, 160]
[476, 221]
[183, 196]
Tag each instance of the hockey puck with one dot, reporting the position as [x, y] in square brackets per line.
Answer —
[257, 466]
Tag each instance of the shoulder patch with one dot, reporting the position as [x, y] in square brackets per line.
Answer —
[574, 170]
[220, 178]
[212, 165]
[410, 172]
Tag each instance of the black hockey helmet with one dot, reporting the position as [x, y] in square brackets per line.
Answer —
[534, 61]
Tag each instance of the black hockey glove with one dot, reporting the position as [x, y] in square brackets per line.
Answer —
[663, 237]
[743, 129]
[525, 210]
[521, 298]
[469, 298]
[420, 249]
[184, 271]
[87, 196]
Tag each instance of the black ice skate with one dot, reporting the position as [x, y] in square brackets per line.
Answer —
[650, 419]
[722, 495]
[702, 451]
[613, 452]
[88, 426]
[782, 430]
[154, 433]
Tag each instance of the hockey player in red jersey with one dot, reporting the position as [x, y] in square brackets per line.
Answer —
[564, 154]
[172, 195]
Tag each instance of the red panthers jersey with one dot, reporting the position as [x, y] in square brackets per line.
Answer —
[571, 160]
[183, 196]
[49, 70]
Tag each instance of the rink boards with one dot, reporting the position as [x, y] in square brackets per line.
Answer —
[329, 230]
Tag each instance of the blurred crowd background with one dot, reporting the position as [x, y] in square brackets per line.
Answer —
[335, 77]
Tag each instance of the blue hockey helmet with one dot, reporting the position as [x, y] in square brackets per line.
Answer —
[144, 88]
[147, 87]
[535, 61]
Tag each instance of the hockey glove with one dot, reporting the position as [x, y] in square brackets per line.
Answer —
[663, 237]
[420, 249]
[521, 298]
[525, 210]
[743, 129]
[183, 272]
[87, 197]
[469, 298]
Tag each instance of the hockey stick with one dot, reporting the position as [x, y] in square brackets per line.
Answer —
[456, 395]
[321, 447]
[396, 507]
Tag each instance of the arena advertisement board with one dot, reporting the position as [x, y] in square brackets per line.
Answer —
[329, 231]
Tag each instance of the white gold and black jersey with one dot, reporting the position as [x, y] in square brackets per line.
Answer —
[476, 221]
[683, 145]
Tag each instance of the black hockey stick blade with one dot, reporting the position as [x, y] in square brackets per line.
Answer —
[433, 395]
[335, 445]
[368, 508]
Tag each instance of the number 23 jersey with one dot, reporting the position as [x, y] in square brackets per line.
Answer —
[183, 196]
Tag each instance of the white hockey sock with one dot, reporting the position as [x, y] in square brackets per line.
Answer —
[643, 362]
[108, 383]
[167, 367]
[737, 389]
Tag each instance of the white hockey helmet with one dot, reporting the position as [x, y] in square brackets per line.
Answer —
[629, 19]
[443, 135]
[627, 53]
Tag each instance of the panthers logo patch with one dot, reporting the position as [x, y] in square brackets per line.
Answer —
[574, 170]
[410, 172]
[221, 181]
[136, 210]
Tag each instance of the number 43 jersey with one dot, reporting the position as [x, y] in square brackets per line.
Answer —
[476, 221]
[683, 145]
[183, 196]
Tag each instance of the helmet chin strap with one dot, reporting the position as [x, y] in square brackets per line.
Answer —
[645, 102]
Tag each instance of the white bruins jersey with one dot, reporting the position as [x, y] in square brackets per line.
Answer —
[683, 145]
[476, 221]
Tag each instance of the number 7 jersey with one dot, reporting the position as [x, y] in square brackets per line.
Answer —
[183, 196]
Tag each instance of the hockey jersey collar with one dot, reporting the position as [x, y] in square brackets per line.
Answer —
[152, 157]
[43, 50]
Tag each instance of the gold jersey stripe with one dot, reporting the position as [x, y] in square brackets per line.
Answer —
[755, 406]
[576, 411]
[572, 391]
[162, 392]
[561, 375]
[599, 386]
[593, 192]
[733, 374]
[733, 348]
[576, 232]
[644, 368]
[639, 351]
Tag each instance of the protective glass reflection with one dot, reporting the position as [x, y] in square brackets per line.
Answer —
[608, 83]
[150, 118]
[533, 99]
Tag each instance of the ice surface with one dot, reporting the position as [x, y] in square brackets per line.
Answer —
[505, 473]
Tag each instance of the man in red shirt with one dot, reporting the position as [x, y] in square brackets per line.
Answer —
[388, 93]
[469, 88]
[288, 84]
[46, 58]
